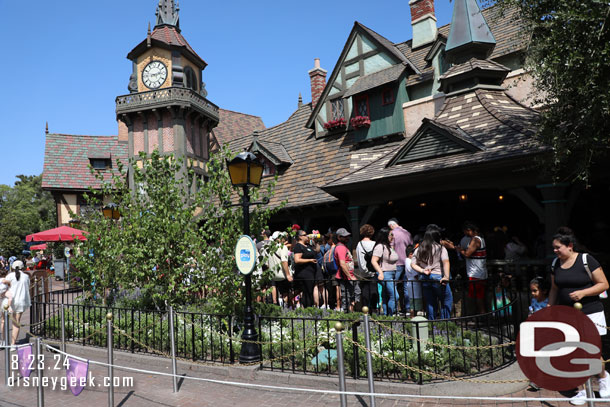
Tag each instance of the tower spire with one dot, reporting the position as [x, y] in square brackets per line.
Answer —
[469, 35]
[167, 13]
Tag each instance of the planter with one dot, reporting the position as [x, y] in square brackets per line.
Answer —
[360, 122]
[335, 124]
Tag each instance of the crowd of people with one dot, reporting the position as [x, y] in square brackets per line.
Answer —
[390, 271]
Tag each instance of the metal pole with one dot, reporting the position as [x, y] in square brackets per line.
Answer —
[110, 361]
[340, 363]
[250, 351]
[37, 307]
[7, 350]
[369, 357]
[39, 362]
[63, 328]
[588, 388]
[172, 341]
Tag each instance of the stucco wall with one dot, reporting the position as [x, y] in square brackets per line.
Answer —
[419, 109]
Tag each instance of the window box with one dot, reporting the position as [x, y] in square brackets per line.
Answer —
[360, 121]
[335, 124]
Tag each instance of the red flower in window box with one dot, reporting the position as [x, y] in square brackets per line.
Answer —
[335, 124]
[360, 121]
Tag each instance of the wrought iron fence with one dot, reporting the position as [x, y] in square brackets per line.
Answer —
[408, 349]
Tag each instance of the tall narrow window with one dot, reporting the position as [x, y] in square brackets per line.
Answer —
[362, 106]
[337, 109]
[190, 78]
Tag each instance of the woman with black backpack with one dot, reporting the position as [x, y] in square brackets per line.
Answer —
[366, 272]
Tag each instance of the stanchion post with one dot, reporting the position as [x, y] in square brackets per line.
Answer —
[110, 360]
[63, 328]
[39, 366]
[172, 341]
[340, 363]
[7, 350]
[37, 307]
[588, 388]
[369, 357]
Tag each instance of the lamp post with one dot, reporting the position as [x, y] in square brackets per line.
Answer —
[110, 211]
[246, 171]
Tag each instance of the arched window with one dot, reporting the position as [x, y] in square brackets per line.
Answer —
[190, 78]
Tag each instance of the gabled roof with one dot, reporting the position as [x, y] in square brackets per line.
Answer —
[385, 44]
[499, 126]
[66, 160]
[433, 140]
[168, 37]
[376, 79]
[275, 152]
[233, 125]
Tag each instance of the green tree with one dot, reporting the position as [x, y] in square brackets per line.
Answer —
[568, 58]
[174, 239]
[24, 209]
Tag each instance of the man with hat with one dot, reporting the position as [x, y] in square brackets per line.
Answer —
[350, 290]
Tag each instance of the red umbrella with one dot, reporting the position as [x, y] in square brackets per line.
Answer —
[60, 234]
[39, 247]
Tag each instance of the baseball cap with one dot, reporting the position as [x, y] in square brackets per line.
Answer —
[276, 235]
[17, 264]
[342, 232]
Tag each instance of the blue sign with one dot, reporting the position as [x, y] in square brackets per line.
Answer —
[244, 255]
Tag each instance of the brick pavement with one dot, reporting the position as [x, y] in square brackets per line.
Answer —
[149, 390]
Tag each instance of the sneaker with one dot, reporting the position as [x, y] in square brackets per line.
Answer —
[534, 386]
[604, 386]
[579, 398]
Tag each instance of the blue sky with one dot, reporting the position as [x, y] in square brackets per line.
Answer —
[65, 61]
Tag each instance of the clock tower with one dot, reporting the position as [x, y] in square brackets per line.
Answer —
[167, 108]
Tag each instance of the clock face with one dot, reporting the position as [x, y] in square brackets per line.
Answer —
[154, 75]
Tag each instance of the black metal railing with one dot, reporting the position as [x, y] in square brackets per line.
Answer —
[406, 349]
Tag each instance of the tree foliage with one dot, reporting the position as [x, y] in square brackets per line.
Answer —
[568, 58]
[24, 209]
[175, 238]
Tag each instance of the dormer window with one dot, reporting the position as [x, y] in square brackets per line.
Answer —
[362, 105]
[337, 109]
[100, 163]
[387, 96]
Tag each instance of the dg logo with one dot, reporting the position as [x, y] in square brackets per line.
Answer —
[559, 348]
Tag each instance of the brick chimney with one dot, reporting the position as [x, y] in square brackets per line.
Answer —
[423, 22]
[318, 82]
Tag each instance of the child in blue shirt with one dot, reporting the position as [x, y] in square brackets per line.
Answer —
[539, 291]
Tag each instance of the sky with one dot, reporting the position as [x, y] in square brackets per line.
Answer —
[64, 62]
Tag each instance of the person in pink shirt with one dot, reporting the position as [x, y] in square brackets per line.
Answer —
[402, 240]
[350, 290]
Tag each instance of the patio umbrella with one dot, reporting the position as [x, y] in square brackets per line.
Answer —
[60, 234]
[39, 247]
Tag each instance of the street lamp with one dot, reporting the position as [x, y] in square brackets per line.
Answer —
[246, 171]
[111, 211]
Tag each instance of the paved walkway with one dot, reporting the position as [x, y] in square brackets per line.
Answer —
[151, 390]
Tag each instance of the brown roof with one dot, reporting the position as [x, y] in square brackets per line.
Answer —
[501, 126]
[506, 28]
[315, 161]
[167, 36]
[233, 125]
[375, 79]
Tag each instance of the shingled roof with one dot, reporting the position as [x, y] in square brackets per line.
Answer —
[233, 125]
[169, 37]
[315, 161]
[502, 127]
[66, 160]
[376, 79]
[506, 28]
